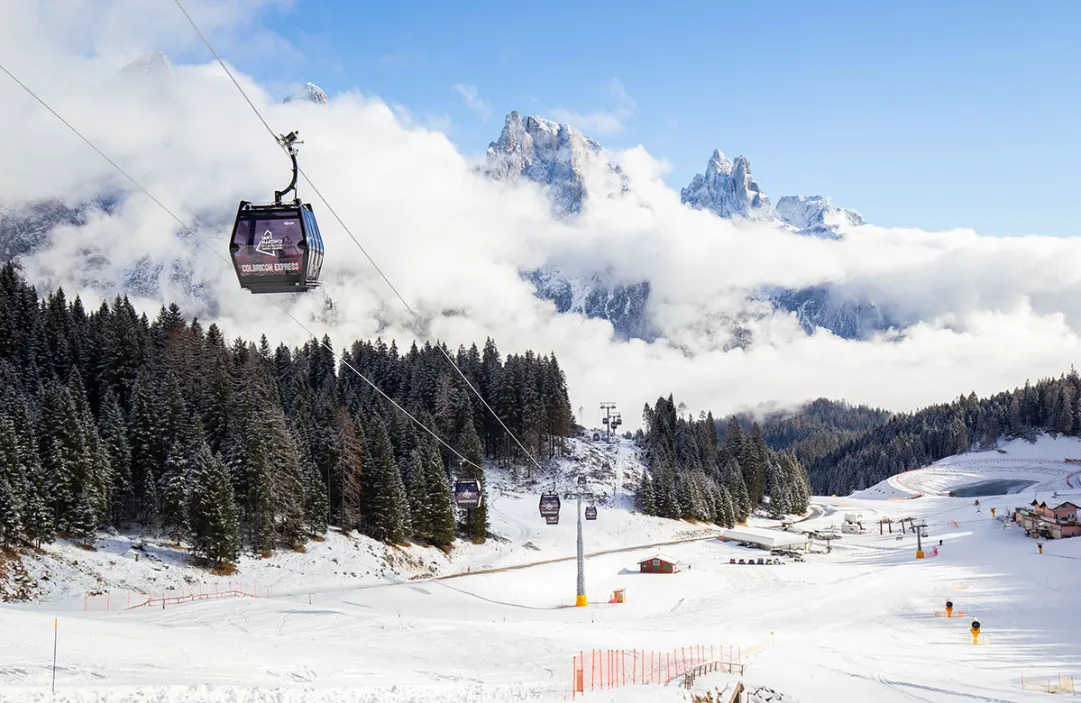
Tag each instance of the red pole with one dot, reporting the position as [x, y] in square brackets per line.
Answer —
[592, 666]
[623, 660]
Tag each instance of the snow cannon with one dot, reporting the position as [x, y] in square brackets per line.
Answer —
[975, 630]
[949, 608]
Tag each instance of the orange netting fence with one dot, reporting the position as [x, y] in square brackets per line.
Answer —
[616, 668]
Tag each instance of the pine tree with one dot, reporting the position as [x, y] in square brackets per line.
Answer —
[114, 436]
[384, 504]
[349, 472]
[12, 495]
[476, 519]
[643, 498]
[419, 507]
[440, 507]
[212, 512]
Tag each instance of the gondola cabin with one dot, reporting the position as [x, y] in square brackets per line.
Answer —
[467, 494]
[276, 248]
[549, 505]
[551, 519]
[591, 512]
[658, 564]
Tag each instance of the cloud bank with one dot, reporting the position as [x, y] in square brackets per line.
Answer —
[988, 313]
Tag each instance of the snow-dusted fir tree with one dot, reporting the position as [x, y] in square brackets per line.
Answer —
[643, 497]
[476, 520]
[384, 504]
[349, 471]
[212, 510]
[439, 506]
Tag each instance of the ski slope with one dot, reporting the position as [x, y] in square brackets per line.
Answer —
[856, 624]
[1040, 464]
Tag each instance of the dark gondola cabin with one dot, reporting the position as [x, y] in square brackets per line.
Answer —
[591, 512]
[551, 519]
[467, 494]
[277, 247]
[549, 505]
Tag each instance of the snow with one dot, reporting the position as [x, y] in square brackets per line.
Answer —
[856, 624]
[769, 538]
[727, 189]
[1042, 463]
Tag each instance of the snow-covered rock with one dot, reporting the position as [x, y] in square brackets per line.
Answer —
[597, 296]
[727, 189]
[152, 64]
[560, 157]
[308, 92]
[550, 153]
[814, 216]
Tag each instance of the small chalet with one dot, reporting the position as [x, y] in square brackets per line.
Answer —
[1051, 523]
[658, 564]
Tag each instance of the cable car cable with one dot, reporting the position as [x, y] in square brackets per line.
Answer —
[191, 230]
[341, 222]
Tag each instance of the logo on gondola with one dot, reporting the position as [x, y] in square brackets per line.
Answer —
[269, 244]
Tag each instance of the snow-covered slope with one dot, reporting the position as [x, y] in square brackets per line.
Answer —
[727, 189]
[1016, 467]
[856, 624]
[814, 216]
[133, 564]
[594, 296]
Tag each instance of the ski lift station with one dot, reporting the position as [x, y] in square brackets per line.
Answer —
[766, 539]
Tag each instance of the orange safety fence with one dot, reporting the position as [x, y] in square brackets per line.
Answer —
[616, 668]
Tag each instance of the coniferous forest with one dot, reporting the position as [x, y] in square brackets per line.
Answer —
[108, 418]
[911, 440]
[695, 475]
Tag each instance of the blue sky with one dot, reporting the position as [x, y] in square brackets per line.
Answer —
[925, 114]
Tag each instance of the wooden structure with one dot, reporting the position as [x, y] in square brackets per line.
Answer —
[658, 564]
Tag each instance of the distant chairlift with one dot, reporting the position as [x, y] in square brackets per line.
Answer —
[591, 512]
[549, 507]
[467, 494]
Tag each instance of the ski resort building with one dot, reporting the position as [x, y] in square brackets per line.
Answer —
[1051, 523]
[658, 564]
[766, 539]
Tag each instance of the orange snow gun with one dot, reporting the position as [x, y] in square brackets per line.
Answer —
[975, 630]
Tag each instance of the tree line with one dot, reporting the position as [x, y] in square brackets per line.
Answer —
[110, 419]
[912, 440]
[693, 474]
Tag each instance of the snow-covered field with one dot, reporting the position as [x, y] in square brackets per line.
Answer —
[853, 625]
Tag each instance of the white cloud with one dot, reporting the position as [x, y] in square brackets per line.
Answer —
[473, 100]
[994, 311]
[610, 120]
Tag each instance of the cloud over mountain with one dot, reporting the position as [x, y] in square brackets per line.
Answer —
[981, 313]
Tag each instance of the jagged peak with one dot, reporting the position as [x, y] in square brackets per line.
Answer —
[309, 92]
[727, 189]
[152, 63]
